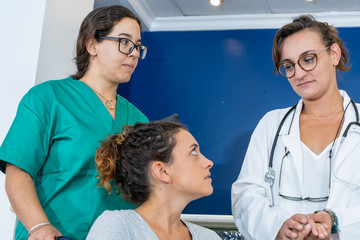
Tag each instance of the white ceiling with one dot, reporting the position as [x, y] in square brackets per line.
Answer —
[180, 15]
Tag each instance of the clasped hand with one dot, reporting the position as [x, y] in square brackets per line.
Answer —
[306, 226]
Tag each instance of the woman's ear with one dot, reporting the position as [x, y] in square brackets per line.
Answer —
[91, 46]
[160, 170]
[335, 53]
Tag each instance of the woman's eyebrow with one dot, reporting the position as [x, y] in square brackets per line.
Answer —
[125, 34]
[194, 145]
[302, 54]
[306, 52]
[128, 36]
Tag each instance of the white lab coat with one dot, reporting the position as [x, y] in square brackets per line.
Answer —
[250, 194]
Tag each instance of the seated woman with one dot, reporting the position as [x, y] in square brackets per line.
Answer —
[159, 166]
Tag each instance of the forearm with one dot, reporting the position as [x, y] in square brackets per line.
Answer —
[22, 194]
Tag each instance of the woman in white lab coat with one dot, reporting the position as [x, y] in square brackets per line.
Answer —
[310, 187]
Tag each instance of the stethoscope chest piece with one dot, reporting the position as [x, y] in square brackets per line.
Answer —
[270, 176]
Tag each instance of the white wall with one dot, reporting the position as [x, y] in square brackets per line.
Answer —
[58, 41]
[21, 24]
[37, 44]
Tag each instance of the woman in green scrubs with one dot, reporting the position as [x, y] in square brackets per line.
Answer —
[48, 153]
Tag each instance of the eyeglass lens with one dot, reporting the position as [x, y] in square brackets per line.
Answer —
[307, 62]
[126, 46]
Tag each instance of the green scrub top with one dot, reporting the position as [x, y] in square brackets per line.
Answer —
[58, 127]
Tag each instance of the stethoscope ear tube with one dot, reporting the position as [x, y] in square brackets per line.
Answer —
[357, 119]
[277, 135]
[270, 174]
[348, 127]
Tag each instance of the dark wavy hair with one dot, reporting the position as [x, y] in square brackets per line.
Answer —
[328, 34]
[97, 23]
[126, 157]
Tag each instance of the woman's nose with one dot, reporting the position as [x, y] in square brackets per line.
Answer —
[135, 53]
[299, 72]
[208, 163]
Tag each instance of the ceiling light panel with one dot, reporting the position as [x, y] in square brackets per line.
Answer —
[228, 7]
[215, 3]
[301, 6]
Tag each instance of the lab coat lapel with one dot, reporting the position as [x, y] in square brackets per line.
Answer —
[352, 140]
[292, 142]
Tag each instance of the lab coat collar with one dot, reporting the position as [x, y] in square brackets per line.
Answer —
[350, 114]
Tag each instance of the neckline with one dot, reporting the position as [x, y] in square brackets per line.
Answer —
[324, 151]
[108, 102]
[147, 225]
[98, 106]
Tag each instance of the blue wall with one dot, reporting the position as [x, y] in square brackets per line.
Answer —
[220, 83]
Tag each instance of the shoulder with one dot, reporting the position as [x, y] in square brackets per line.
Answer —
[120, 225]
[46, 89]
[124, 217]
[39, 99]
[201, 233]
[110, 225]
[109, 220]
[269, 124]
[115, 215]
[53, 84]
[272, 118]
[275, 115]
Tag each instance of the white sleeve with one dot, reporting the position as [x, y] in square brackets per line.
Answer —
[349, 222]
[250, 204]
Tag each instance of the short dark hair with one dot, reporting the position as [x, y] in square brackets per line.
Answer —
[97, 23]
[126, 157]
[328, 34]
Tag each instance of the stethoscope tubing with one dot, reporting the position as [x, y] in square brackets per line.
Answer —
[270, 175]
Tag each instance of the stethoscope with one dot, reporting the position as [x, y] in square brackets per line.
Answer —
[270, 174]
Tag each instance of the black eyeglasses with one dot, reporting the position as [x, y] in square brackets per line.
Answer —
[307, 63]
[126, 46]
